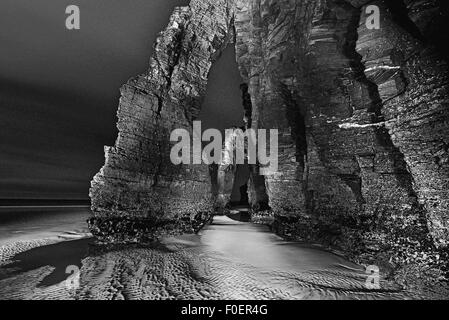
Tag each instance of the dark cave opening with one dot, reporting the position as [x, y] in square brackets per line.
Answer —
[239, 205]
[239, 196]
[227, 104]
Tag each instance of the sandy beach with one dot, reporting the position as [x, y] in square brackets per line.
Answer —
[227, 260]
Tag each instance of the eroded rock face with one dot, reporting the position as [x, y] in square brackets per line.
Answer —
[362, 117]
[139, 193]
[412, 79]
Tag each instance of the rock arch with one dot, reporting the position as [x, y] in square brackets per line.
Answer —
[362, 117]
[139, 193]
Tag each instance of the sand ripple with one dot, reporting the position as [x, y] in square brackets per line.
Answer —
[226, 261]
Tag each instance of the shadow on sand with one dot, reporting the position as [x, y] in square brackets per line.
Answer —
[59, 256]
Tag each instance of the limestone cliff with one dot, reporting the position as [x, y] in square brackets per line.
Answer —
[363, 122]
[138, 192]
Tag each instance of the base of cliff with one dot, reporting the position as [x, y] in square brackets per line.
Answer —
[124, 230]
[417, 266]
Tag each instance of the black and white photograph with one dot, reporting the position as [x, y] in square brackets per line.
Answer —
[226, 156]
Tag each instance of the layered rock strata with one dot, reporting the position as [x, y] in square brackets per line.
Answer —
[362, 116]
[139, 193]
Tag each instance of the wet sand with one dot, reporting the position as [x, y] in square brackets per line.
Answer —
[227, 260]
[24, 224]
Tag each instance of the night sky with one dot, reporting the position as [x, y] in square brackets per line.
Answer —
[59, 89]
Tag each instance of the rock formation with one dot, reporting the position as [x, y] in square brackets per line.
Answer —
[139, 193]
[363, 122]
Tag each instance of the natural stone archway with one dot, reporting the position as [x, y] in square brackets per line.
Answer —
[362, 119]
[138, 192]
[227, 174]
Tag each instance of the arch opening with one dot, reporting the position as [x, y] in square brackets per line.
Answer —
[227, 104]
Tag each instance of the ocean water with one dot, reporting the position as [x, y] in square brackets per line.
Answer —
[35, 223]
